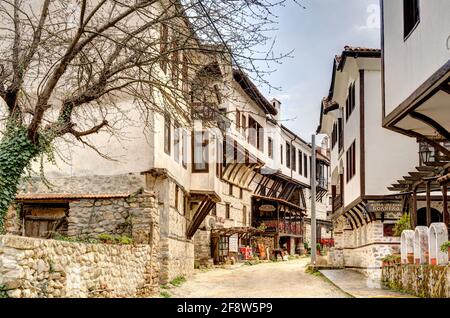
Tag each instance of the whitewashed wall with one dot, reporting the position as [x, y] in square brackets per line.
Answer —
[409, 63]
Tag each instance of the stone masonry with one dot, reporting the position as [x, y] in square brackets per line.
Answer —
[32, 267]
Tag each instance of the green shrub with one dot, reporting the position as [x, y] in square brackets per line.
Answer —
[178, 281]
[3, 293]
[110, 239]
[165, 294]
[403, 224]
[445, 246]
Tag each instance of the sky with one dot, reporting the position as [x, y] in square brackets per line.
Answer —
[316, 33]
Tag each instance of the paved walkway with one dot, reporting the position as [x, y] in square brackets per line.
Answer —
[358, 285]
[268, 280]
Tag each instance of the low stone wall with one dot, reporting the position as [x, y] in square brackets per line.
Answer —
[133, 217]
[420, 280]
[176, 258]
[47, 268]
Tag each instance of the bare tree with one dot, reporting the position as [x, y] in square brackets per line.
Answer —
[65, 65]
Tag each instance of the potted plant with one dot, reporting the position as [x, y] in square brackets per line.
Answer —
[319, 249]
[445, 247]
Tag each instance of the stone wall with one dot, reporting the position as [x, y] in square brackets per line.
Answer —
[92, 184]
[47, 268]
[176, 258]
[362, 249]
[202, 246]
[133, 217]
[419, 280]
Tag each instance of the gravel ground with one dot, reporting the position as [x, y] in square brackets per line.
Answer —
[268, 280]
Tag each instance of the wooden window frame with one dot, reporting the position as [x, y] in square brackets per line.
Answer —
[228, 211]
[184, 148]
[164, 43]
[288, 155]
[294, 158]
[411, 17]
[204, 145]
[300, 162]
[270, 147]
[282, 154]
[351, 162]
[167, 134]
[176, 143]
[238, 120]
[305, 165]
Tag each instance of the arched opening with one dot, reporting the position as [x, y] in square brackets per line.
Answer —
[436, 216]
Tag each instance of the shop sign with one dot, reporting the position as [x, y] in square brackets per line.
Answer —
[383, 206]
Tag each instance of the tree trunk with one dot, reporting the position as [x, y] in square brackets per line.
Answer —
[16, 153]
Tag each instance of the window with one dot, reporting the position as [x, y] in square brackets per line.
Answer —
[305, 165]
[294, 158]
[340, 134]
[241, 193]
[175, 59]
[300, 163]
[244, 123]
[281, 154]
[351, 162]
[350, 103]
[167, 134]
[227, 210]
[200, 153]
[334, 136]
[177, 190]
[230, 189]
[244, 215]
[214, 211]
[184, 147]
[238, 119]
[270, 147]
[288, 155]
[176, 144]
[185, 74]
[164, 38]
[218, 94]
[256, 134]
[411, 16]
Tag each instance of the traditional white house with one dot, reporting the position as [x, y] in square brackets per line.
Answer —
[416, 96]
[364, 159]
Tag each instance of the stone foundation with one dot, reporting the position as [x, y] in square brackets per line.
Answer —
[362, 249]
[47, 268]
[423, 281]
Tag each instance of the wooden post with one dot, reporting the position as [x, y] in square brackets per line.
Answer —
[277, 241]
[445, 204]
[414, 209]
[428, 203]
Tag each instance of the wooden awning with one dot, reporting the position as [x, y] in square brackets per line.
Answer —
[207, 203]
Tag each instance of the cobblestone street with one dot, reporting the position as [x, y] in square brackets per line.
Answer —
[277, 280]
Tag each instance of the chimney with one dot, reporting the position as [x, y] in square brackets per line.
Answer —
[277, 105]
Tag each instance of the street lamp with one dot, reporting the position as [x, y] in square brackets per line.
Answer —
[424, 153]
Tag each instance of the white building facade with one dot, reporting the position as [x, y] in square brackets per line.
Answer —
[365, 158]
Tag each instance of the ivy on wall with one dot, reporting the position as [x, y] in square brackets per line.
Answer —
[16, 154]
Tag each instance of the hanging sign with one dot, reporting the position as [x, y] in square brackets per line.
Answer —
[267, 208]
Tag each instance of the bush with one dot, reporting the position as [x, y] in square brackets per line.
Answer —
[110, 239]
[403, 224]
[445, 246]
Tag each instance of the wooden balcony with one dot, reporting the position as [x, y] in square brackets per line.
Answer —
[337, 203]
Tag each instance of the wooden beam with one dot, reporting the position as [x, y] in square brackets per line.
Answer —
[445, 205]
[432, 123]
[428, 203]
